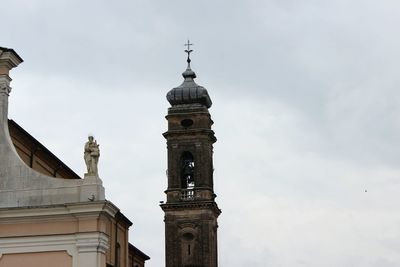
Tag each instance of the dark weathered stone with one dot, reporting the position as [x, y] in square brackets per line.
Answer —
[190, 210]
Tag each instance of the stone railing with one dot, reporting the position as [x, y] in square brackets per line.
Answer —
[187, 194]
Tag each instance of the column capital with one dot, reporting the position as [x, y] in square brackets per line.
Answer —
[5, 84]
[92, 242]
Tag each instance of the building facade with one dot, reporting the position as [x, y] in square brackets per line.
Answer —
[49, 216]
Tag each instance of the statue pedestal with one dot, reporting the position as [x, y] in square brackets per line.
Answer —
[92, 188]
[92, 177]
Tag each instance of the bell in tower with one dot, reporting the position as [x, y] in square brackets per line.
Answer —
[190, 210]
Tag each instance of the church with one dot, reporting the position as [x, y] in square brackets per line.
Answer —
[50, 216]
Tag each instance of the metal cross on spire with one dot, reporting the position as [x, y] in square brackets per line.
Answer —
[188, 51]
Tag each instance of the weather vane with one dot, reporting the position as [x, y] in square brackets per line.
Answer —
[188, 51]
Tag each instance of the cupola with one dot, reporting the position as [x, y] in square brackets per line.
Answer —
[189, 92]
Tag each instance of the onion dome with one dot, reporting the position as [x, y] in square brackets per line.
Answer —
[189, 92]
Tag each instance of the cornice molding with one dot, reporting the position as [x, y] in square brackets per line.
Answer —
[92, 242]
[44, 213]
[192, 205]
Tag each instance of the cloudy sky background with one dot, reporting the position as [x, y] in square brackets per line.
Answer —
[305, 103]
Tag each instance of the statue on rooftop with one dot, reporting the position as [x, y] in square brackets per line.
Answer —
[91, 156]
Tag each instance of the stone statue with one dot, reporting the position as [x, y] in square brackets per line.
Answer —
[91, 156]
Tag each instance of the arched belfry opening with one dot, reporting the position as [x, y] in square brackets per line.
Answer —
[187, 170]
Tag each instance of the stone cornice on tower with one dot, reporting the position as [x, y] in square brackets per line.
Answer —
[192, 205]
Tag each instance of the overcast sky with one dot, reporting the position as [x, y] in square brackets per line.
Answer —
[305, 104]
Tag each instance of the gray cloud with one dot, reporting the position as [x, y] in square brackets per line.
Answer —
[305, 109]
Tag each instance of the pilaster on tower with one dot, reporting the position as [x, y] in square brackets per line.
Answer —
[190, 210]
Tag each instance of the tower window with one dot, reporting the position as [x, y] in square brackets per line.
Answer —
[188, 236]
[187, 170]
[187, 123]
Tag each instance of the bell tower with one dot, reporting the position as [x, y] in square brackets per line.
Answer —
[190, 210]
